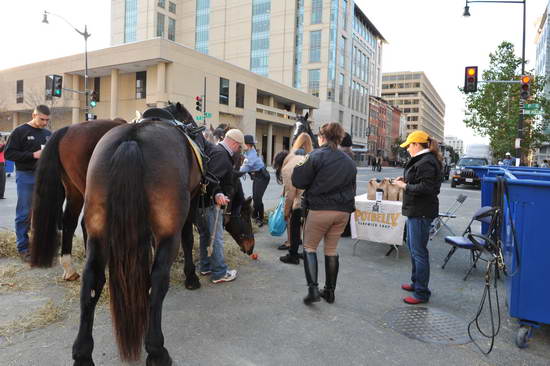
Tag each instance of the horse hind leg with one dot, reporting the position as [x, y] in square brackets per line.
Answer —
[93, 281]
[191, 280]
[75, 201]
[160, 280]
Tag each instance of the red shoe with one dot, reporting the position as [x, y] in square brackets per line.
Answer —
[411, 300]
[407, 287]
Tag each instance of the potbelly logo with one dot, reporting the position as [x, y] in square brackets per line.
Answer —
[370, 218]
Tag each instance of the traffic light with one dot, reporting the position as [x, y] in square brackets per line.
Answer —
[93, 99]
[57, 88]
[470, 79]
[198, 103]
[525, 87]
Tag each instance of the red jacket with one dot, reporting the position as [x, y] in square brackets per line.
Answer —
[2, 147]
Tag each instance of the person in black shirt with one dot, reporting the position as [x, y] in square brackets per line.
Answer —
[421, 183]
[24, 148]
[328, 177]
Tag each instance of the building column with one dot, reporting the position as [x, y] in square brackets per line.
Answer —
[269, 143]
[114, 93]
[161, 85]
[76, 100]
[14, 120]
[293, 107]
[271, 101]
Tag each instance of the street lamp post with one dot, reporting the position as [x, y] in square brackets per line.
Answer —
[521, 115]
[86, 35]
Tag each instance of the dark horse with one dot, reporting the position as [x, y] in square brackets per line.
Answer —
[303, 125]
[61, 176]
[140, 183]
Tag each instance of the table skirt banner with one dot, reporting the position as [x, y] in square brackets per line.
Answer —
[380, 222]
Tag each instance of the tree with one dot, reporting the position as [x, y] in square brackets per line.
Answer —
[494, 110]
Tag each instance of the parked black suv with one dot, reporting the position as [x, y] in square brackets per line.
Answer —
[462, 175]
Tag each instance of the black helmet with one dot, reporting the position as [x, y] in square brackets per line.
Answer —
[249, 140]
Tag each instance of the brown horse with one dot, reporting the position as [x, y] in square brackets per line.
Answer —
[140, 183]
[61, 175]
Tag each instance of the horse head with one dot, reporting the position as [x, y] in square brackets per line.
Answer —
[239, 225]
[303, 125]
[180, 113]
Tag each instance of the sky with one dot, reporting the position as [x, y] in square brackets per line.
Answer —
[422, 35]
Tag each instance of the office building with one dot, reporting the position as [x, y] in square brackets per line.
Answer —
[415, 96]
[327, 48]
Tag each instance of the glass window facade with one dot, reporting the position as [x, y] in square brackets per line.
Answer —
[161, 3]
[316, 11]
[314, 79]
[202, 24]
[224, 91]
[130, 20]
[171, 29]
[298, 44]
[342, 53]
[332, 49]
[315, 46]
[341, 88]
[361, 28]
[160, 25]
[259, 48]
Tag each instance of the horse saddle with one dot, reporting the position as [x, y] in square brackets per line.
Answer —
[188, 130]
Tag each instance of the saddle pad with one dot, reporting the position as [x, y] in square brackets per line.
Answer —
[197, 153]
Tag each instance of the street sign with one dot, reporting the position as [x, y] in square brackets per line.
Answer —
[531, 106]
[532, 112]
[200, 118]
[207, 114]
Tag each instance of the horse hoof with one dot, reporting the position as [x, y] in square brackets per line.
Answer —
[192, 283]
[73, 277]
[163, 360]
[87, 362]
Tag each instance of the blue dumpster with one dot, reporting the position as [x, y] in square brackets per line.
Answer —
[527, 252]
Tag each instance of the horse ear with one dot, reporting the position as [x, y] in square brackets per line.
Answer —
[306, 116]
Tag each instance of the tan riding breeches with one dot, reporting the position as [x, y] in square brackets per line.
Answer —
[327, 225]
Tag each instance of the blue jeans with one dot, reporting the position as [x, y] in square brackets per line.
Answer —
[418, 235]
[25, 185]
[215, 262]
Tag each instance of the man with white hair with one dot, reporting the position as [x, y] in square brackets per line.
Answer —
[210, 225]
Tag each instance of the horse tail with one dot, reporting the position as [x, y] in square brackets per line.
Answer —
[130, 248]
[47, 207]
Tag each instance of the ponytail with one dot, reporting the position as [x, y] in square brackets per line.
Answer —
[433, 145]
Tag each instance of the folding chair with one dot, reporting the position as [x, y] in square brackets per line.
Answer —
[475, 243]
[441, 221]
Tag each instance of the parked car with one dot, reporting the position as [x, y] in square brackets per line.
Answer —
[462, 175]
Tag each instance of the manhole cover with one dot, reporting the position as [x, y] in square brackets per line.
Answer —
[428, 325]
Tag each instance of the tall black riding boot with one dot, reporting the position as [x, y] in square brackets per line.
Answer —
[331, 274]
[310, 267]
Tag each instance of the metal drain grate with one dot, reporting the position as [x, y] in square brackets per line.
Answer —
[428, 325]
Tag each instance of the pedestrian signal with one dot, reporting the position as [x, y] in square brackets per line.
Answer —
[525, 87]
[470, 79]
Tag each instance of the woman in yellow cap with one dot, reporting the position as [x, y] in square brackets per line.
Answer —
[421, 184]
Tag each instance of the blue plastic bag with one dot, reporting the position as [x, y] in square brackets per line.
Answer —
[276, 222]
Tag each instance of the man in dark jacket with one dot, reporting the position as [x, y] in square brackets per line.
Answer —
[220, 165]
[24, 148]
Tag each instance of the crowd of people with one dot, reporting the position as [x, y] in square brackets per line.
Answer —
[319, 189]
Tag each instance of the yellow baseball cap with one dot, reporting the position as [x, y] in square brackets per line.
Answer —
[418, 136]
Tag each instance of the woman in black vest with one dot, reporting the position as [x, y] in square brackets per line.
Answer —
[421, 184]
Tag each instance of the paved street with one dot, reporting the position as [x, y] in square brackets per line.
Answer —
[260, 319]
